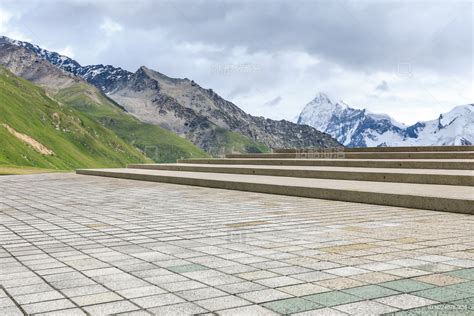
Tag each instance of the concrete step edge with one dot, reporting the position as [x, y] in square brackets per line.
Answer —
[384, 149]
[360, 155]
[361, 163]
[400, 177]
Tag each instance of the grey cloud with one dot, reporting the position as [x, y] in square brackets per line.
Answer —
[383, 86]
[273, 102]
[369, 35]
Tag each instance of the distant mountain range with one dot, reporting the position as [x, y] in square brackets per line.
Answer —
[178, 105]
[360, 128]
[155, 113]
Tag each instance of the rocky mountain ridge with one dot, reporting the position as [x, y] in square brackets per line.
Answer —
[182, 106]
[74, 93]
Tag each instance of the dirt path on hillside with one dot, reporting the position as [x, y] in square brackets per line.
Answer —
[30, 141]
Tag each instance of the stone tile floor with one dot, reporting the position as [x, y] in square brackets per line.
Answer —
[75, 245]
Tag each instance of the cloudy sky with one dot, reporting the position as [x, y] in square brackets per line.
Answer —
[410, 59]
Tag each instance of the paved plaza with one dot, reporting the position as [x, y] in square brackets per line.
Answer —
[78, 245]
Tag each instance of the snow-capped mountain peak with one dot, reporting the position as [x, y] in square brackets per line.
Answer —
[104, 77]
[320, 111]
[343, 104]
[459, 112]
[383, 116]
[61, 61]
[322, 98]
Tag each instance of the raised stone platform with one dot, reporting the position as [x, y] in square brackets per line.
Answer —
[441, 179]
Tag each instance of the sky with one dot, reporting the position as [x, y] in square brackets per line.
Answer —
[410, 59]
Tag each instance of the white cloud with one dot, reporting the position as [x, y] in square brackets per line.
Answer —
[110, 27]
[382, 86]
[5, 16]
[66, 51]
[8, 29]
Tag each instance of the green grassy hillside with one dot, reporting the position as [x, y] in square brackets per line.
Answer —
[157, 143]
[63, 137]
[6, 170]
[229, 142]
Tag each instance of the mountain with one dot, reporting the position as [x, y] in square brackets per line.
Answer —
[187, 109]
[361, 128]
[455, 127]
[74, 92]
[39, 131]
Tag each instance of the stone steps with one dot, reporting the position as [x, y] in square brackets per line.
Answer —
[450, 198]
[361, 155]
[440, 179]
[459, 164]
[388, 149]
[423, 176]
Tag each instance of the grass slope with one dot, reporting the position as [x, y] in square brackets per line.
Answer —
[76, 140]
[16, 170]
[157, 143]
[228, 142]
